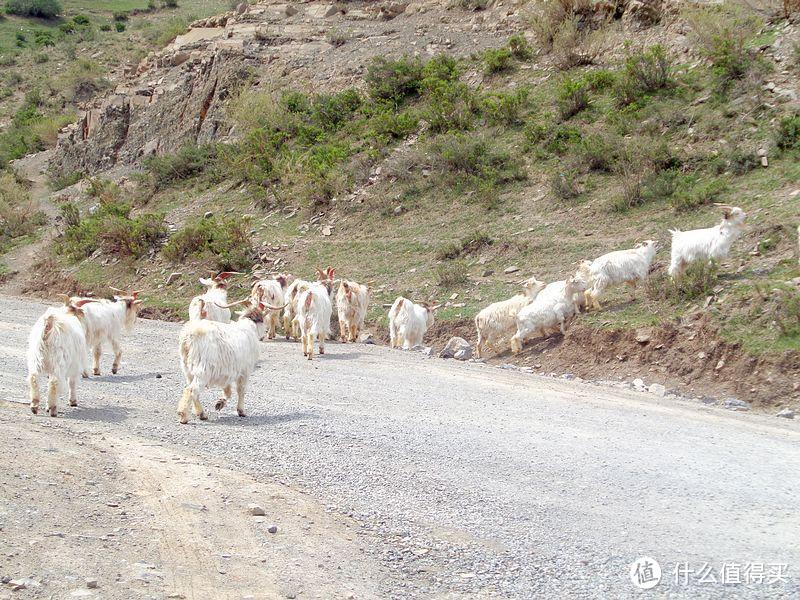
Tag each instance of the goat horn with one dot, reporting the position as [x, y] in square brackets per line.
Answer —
[113, 289]
[83, 301]
[232, 304]
[64, 297]
[434, 307]
[268, 307]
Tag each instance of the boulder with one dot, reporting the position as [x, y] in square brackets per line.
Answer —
[457, 348]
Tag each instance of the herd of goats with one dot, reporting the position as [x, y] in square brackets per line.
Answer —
[219, 353]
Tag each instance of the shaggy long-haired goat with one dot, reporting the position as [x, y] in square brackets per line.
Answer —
[105, 321]
[293, 292]
[550, 310]
[408, 323]
[352, 300]
[709, 244]
[621, 266]
[497, 322]
[314, 312]
[220, 355]
[211, 304]
[271, 292]
[57, 348]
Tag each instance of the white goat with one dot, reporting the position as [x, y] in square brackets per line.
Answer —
[271, 292]
[57, 348]
[709, 244]
[105, 321]
[552, 308]
[293, 292]
[314, 313]
[352, 300]
[210, 305]
[498, 321]
[219, 355]
[408, 323]
[622, 266]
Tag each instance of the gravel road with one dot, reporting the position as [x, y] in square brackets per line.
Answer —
[408, 476]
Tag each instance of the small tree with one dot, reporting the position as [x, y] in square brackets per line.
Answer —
[46, 9]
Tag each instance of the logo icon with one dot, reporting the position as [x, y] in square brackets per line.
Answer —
[645, 573]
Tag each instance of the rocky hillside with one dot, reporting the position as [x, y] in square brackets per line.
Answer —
[444, 151]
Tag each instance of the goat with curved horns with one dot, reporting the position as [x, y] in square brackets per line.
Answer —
[206, 306]
[105, 321]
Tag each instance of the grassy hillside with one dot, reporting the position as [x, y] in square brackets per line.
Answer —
[433, 177]
[49, 66]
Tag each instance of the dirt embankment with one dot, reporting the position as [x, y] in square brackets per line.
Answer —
[689, 356]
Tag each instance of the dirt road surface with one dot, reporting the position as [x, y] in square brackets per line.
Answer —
[383, 474]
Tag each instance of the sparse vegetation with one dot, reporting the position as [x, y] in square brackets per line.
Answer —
[572, 97]
[187, 162]
[644, 73]
[112, 230]
[451, 274]
[45, 9]
[787, 137]
[223, 243]
[520, 47]
[18, 215]
[497, 60]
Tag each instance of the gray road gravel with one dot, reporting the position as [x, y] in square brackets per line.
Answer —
[468, 479]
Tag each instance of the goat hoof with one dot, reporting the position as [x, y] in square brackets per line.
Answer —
[73, 403]
[35, 410]
[97, 371]
[219, 405]
[322, 350]
[53, 412]
[241, 413]
[85, 375]
[114, 370]
[203, 416]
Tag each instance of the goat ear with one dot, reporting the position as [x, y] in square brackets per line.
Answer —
[331, 271]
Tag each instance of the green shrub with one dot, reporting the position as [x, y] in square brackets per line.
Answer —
[119, 26]
[551, 138]
[520, 47]
[474, 156]
[450, 106]
[697, 282]
[467, 246]
[600, 80]
[112, 230]
[70, 214]
[171, 3]
[186, 163]
[451, 274]
[120, 15]
[18, 215]
[564, 183]
[497, 60]
[46, 9]
[42, 37]
[40, 58]
[224, 242]
[505, 108]
[394, 80]
[692, 192]
[723, 34]
[81, 20]
[440, 68]
[787, 136]
[598, 152]
[572, 97]
[644, 73]
[394, 125]
[473, 4]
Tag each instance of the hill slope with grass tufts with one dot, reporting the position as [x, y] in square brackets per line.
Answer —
[446, 152]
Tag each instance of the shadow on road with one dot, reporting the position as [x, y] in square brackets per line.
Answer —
[122, 378]
[257, 420]
[105, 414]
[347, 356]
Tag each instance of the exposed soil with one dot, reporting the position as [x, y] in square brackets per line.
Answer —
[689, 356]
